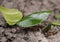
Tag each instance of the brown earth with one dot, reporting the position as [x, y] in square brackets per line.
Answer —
[16, 34]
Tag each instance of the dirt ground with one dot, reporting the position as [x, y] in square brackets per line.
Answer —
[16, 34]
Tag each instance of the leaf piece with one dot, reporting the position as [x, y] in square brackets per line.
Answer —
[34, 19]
[56, 23]
[12, 16]
[58, 16]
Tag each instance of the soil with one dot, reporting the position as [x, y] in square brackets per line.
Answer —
[32, 34]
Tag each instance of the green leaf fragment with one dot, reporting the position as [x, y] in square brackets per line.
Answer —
[12, 16]
[58, 16]
[34, 19]
[56, 23]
